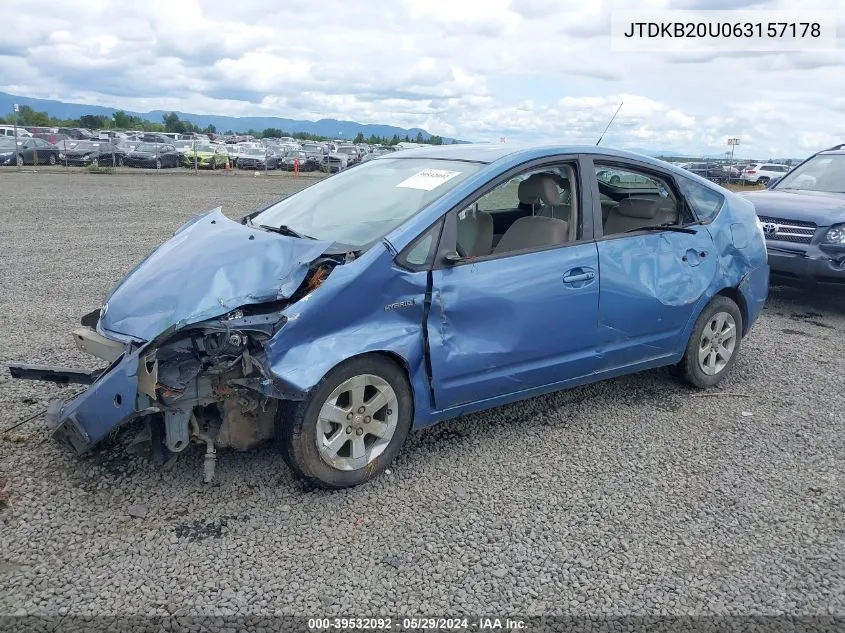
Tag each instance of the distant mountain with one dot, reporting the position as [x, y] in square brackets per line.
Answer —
[331, 128]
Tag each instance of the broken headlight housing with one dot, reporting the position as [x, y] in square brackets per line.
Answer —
[835, 235]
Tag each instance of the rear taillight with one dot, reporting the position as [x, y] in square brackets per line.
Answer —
[750, 171]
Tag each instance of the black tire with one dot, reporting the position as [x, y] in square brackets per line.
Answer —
[296, 425]
[52, 159]
[95, 162]
[119, 161]
[688, 369]
[158, 163]
[763, 180]
[21, 159]
[213, 164]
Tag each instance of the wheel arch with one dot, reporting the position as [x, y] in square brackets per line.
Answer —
[392, 356]
[735, 295]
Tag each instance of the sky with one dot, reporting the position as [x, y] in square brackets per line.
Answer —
[479, 70]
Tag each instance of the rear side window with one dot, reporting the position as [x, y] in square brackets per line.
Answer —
[704, 202]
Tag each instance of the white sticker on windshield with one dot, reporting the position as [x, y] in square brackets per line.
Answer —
[428, 179]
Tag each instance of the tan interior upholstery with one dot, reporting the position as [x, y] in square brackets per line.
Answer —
[475, 233]
[533, 232]
[634, 213]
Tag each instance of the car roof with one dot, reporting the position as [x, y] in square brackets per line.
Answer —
[492, 152]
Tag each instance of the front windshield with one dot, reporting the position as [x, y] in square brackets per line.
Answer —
[252, 151]
[359, 206]
[825, 172]
[147, 147]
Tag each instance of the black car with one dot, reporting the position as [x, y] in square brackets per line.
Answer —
[306, 162]
[30, 151]
[152, 137]
[257, 159]
[711, 171]
[94, 153]
[157, 155]
[78, 133]
[803, 220]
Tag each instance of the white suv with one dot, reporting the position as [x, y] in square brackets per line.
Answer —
[762, 173]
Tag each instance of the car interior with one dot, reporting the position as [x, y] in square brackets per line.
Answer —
[538, 209]
[636, 201]
[531, 211]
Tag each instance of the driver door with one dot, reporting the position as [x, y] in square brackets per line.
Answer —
[513, 321]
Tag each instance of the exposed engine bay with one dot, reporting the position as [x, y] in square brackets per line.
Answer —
[206, 383]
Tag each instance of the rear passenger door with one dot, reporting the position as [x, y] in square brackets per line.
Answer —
[514, 300]
[651, 277]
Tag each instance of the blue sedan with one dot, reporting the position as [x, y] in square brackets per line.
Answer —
[422, 285]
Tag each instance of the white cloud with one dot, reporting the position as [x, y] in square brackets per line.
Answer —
[535, 70]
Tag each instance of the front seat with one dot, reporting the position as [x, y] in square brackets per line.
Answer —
[533, 232]
[475, 233]
[635, 213]
[540, 194]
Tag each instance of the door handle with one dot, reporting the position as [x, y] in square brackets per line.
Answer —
[574, 277]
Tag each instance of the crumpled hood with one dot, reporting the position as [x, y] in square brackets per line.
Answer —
[211, 266]
[809, 206]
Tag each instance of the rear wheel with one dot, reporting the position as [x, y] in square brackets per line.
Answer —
[713, 345]
[120, 161]
[352, 424]
[763, 180]
[21, 161]
[158, 163]
[95, 162]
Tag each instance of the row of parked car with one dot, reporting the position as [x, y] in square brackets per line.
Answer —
[744, 173]
[160, 150]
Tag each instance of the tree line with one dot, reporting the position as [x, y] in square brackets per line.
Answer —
[120, 120]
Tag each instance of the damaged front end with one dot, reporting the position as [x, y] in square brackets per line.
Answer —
[204, 378]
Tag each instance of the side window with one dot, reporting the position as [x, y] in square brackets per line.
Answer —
[704, 202]
[533, 210]
[419, 254]
[632, 199]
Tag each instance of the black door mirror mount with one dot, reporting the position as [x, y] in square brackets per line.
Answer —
[452, 258]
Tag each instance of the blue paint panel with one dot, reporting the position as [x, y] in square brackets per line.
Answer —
[107, 403]
[210, 267]
[346, 317]
[504, 325]
[650, 286]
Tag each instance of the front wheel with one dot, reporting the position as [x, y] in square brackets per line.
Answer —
[352, 424]
[120, 161]
[52, 159]
[158, 163]
[713, 345]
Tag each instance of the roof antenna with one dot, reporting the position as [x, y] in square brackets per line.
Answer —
[608, 125]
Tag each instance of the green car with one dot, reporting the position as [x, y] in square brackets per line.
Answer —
[207, 156]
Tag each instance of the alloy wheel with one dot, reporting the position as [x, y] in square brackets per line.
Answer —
[717, 344]
[357, 422]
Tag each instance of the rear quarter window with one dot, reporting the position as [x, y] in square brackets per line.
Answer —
[705, 202]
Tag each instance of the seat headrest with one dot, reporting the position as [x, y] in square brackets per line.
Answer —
[642, 208]
[539, 188]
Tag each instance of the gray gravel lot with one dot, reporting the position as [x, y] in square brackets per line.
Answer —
[635, 495]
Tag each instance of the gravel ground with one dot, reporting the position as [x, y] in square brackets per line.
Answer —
[631, 496]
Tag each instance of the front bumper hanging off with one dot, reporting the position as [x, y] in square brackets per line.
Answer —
[111, 399]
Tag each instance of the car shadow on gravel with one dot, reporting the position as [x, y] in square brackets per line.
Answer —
[804, 300]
